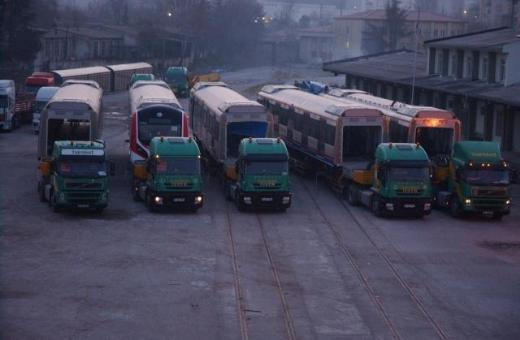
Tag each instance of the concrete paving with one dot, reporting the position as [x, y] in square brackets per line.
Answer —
[323, 270]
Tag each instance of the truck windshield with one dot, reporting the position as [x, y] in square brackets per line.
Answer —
[156, 122]
[486, 177]
[39, 105]
[266, 167]
[408, 174]
[178, 166]
[82, 168]
[3, 101]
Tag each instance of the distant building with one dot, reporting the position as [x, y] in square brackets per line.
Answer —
[316, 44]
[298, 8]
[477, 76]
[495, 13]
[353, 38]
[63, 45]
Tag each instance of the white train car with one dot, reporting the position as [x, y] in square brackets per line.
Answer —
[434, 129]
[340, 136]
[221, 118]
[99, 74]
[74, 113]
[122, 74]
[155, 112]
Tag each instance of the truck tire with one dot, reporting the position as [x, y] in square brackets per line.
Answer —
[455, 208]
[351, 196]
[41, 192]
[375, 206]
[150, 204]
[52, 202]
[239, 203]
[135, 194]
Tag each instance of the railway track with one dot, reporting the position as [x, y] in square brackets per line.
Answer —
[240, 303]
[350, 258]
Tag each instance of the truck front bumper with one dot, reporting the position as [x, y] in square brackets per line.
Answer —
[83, 199]
[273, 200]
[181, 200]
[487, 205]
[411, 206]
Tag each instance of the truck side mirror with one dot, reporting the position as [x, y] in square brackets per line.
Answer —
[140, 171]
[45, 168]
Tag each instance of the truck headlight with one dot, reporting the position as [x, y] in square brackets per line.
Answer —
[158, 200]
[389, 206]
[286, 199]
[467, 201]
[508, 202]
[247, 200]
[198, 199]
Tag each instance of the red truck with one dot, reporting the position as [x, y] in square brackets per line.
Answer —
[37, 80]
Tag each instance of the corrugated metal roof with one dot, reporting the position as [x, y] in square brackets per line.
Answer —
[73, 72]
[483, 40]
[133, 66]
[380, 14]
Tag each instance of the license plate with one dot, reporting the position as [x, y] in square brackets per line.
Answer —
[179, 199]
[487, 213]
[409, 206]
[267, 199]
[83, 205]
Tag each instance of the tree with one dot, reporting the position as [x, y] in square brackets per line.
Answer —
[19, 42]
[386, 36]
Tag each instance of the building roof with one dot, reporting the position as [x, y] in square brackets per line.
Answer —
[64, 32]
[395, 67]
[380, 14]
[483, 40]
[388, 66]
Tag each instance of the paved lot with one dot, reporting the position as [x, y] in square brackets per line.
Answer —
[323, 270]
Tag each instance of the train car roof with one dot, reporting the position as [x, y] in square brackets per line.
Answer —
[222, 99]
[397, 109]
[129, 67]
[152, 92]
[81, 71]
[78, 92]
[320, 105]
[90, 83]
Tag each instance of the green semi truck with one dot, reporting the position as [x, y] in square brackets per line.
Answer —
[75, 176]
[177, 78]
[478, 181]
[260, 177]
[170, 176]
[397, 183]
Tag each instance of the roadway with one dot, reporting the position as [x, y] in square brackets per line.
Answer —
[323, 270]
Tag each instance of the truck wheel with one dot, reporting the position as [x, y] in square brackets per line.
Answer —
[375, 206]
[41, 192]
[135, 194]
[239, 203]
[455, 209]
[227, 191]
[149, 203]
[351, 196]
[52, 202]
[99, 210]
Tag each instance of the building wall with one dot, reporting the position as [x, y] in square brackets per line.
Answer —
[512, 64]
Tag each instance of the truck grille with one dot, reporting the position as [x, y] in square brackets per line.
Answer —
[269, 186]
[490, 192]
[409, 192]
[178, 185]
[83, 186]
[78, 197]
[488, 204]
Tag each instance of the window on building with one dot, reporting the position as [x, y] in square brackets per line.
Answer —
[502, 70]
[469, 67]
[485, 66]
[454, 65]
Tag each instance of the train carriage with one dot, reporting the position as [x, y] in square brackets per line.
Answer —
[337, 136]
[434, 129]
[74, 113]
[122, 74]
[155, 112]
[99, 74]
[221, 118]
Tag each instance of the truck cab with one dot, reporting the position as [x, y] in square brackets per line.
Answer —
[478, 182]
[75, 176]
[7, 104]
[171, 176]
[261, 175]
[177, 78]
[398, 182]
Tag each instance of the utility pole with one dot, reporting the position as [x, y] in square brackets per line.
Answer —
[414, 68]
